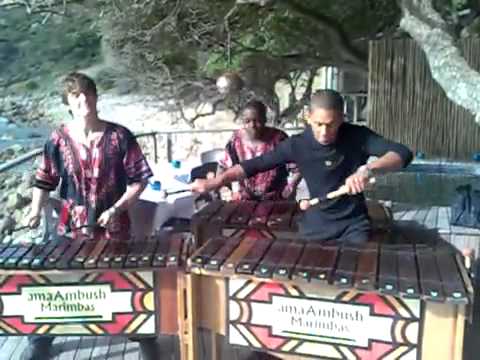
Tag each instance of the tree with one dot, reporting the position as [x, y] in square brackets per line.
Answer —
[438, 36]
[436, 26]
[179, 47]
[185, 45]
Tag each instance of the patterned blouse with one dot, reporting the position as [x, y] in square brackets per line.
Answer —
[263, 186]
[92, 178]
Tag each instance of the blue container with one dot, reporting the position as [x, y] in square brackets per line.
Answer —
[420, 155]
[176, 164]
[156, 185]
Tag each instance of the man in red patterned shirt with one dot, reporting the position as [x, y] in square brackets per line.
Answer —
[101, 171]
[255, 139]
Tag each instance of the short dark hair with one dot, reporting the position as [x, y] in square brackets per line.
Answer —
[77, 83]
[259, 107]
[326, 99]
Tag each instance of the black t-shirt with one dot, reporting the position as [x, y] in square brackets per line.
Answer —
[325, 168]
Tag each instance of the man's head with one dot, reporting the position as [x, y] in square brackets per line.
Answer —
[80, 94]
[325, 115]
[254, 117]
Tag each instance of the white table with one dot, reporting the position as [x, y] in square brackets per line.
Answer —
[153, 210]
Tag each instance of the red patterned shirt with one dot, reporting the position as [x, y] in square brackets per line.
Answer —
[92, 178]
[268, 185]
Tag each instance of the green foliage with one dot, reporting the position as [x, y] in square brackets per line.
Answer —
[31, 85]
[48, 50]
[459, 4]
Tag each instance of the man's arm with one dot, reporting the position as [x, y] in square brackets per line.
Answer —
[129, 197]
[292, 183]
[391, 161]
[47, 178]
[392, 156]
[281, 155]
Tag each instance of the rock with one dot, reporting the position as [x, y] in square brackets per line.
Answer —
[17, 201]
[12, 201]
[19, 216]
[15, 149]
[23, 200]
[7, 225]
[125, 86]
[8, 52]
[28, 178]
[33, 135]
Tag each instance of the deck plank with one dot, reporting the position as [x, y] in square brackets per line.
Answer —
[85, 348]
[443, 221]
[59, 346]
[409, 214]
[69, 348]
[399, 210]
[21, 346]
[117, 347]
[9, 346]
[431, 219]
[102, 344]
[132, 351]
[421, 215]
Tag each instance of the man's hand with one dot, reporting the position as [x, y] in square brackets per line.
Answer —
[106, 217]
[357, 182]
[226, 194]
[33, 220]
[204, 185]
[304, 204]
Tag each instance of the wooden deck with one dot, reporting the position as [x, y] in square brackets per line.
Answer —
[435, 223]
[87, 348]
[434, 220]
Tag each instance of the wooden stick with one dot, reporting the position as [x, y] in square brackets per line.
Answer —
[342, 190]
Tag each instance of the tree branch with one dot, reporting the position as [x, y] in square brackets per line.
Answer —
[424, 11]
[447, 65]
[39, 9]
[214, 103]
[333, 30]
[294, 108]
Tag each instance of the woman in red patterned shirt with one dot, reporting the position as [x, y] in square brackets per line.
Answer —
[255, 139]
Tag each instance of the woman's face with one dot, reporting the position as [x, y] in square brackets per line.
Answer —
[252, 123]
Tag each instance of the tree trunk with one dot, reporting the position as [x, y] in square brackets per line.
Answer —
[448, 67]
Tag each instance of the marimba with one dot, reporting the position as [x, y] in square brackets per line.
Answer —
[62, 286]
[271, 218]
[380, 300]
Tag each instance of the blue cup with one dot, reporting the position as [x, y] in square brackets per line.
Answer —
[156, 185]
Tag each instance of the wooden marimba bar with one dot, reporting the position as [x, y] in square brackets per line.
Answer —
[63, 286]
[298, 299]
[63, 253]
[271, 218]
[407, 270]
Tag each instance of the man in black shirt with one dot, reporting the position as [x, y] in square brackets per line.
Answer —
[329, 154]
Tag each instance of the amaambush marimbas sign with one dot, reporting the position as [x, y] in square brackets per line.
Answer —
[332, 301]
[87, 287]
